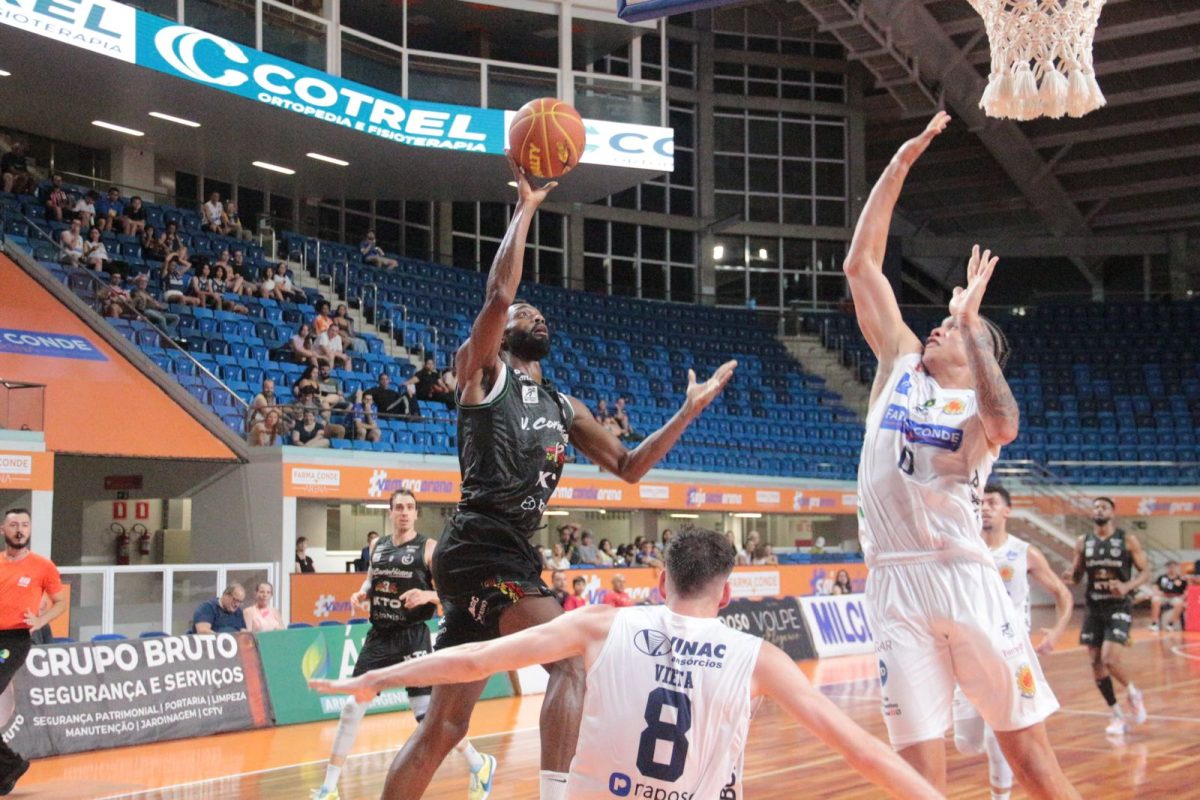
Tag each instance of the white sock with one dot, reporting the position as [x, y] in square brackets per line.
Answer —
[1116, 710]
[343, 740]
[554, 785]
[1001, 795]
[468, 751]
[1131, 690]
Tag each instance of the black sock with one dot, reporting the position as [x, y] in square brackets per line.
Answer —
[1106, 689]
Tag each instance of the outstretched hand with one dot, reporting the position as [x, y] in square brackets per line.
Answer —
[526, 192]
[360, 687]
[964, 305]
[699, 395]
[914, 147]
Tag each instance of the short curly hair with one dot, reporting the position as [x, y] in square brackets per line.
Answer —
[695, 558]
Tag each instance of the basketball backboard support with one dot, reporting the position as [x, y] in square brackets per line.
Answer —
[641, 10]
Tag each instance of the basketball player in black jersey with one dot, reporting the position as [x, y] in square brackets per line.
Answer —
[399, 591]
[1106, 556]
[513, 431]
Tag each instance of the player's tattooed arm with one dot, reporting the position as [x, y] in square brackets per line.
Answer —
[997, 407]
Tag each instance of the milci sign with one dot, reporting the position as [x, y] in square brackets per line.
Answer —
[122, 32]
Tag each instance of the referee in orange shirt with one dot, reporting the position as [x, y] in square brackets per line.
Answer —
[24, 578]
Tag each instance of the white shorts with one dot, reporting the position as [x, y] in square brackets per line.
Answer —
[938, 624]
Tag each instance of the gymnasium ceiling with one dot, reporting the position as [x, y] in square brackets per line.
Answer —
[1132, 167]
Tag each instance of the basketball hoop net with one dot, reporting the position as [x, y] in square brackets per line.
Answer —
[1046, 42]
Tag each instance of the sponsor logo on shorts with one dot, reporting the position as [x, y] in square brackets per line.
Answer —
[4, 654]
[883, 673]
[620, 784]
[1026, 684]
[891, 709]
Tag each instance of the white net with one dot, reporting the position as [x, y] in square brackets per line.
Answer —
[1041, 57]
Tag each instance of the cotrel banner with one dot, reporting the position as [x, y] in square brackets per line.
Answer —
[78, 697]
[120, 31]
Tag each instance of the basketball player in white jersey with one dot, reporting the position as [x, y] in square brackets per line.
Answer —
[1018, 563]
[669, 692]
[940, 411]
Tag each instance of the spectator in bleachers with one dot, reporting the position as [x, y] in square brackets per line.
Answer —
[373, 253]
[450, 380]
[266, 432]
[366, 426]
[232, 223]
[54, 198]
[750, 544]
[14, 171]
[204, 288]
[149, 306]
[214, 214]
[558, 558]
[304, 562]
[135, 217]
[606, 554]
[648, 555]
[626, 556]
[323, 318]
[283, 280]
[152, 246]
[95, 254]
[268, 287]
[586, 552]
[628, 433]
[332, 398]
[842, 584]
[262, 616]
[310, 432]
[304, 348]
[227, 283]
[221, 614]
[602, 413]
[307, 384]
[85, 209]
[764, 556]
[578, 597]
[263, 401]
[240, 268]
[329, 344]
[392, 403]
[1168, 598]
[617, 596]
[177, 287]
[114, 299]
[428, 381]
[666, 539]
[346, 330]
[558, 586]
[71, 240]
[605, 418]
[364, 559]
[172, 247]
[110, 212]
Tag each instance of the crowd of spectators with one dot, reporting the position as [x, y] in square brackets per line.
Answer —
[230, 614]
[577, 546]
[616, 420]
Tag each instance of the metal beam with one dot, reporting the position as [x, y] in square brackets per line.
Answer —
[1102, 132]
[1162, 92]
[1148, 215]
[1017, 246]
[1085, 165]
[956, 210]
[1153, 59]
[1134, 188]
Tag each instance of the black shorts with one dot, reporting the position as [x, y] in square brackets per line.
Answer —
[1107, 623]
[481, 567]
[14, 648]
[387, 647]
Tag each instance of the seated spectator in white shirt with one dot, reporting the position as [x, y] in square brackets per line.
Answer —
[329, 344]
[72, 245]
[262, 616]
[269, 288]
[114, 299]
[233, 223]
[310, 432]
[283, 280]
[373, 253]
[85, 209]
[214, 214]
[176, 287]
[304, 348]
[95, 254]
[764, 556]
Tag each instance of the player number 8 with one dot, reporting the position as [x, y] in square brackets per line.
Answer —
[658, 729]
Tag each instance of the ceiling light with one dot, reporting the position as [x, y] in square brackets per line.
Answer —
[99, 123]
[719, 252]
[176, 120]
[5, 73]
[274, 167]
[762, 253]
[685, 516]
[328, 159]
[383, 506]
[748, 515]
[555, 513]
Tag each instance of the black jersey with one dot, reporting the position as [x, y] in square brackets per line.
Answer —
[511, 449]
[1105, 561]
[1169, 585]
[394, 570]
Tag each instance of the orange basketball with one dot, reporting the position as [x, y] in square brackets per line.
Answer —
[547, 137]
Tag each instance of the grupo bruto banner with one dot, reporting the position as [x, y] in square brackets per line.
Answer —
[838, 624]
[778, 620]
[79, 697]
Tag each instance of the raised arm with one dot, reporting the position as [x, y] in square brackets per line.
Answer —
[581, 633]
[997, 408]
[606, 450]
[874, 302]
[479, 357]
[777, 676]
[1040, 572]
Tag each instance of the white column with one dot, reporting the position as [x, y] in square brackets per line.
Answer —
[41, 505]
[566, 77]
[287, 547]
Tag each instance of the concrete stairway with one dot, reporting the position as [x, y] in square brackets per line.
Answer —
[809, 351]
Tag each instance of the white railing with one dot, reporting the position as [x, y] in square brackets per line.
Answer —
[83, 591]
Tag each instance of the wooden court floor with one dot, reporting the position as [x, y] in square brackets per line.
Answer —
[783, 761]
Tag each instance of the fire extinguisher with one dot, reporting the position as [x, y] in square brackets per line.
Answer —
[144, 538]
[122, 543]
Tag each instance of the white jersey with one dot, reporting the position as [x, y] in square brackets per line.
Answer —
[1012, 559]
[667, 710]
[925, 460]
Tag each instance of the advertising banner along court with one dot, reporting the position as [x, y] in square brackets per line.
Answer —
[74, 698]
